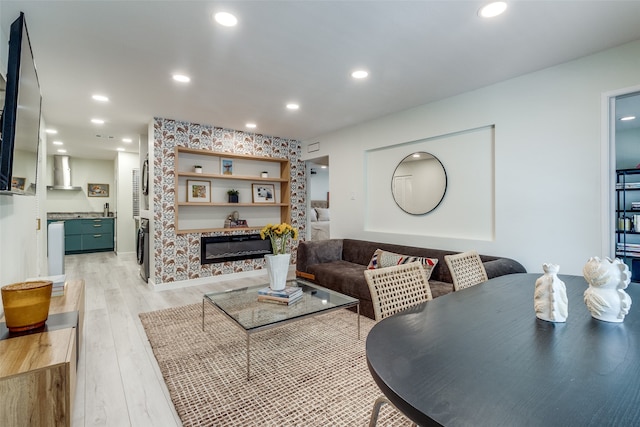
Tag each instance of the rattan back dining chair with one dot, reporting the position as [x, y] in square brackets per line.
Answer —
[396, 288]
[466, 269]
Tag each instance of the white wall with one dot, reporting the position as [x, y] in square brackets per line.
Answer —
[319, 184]
[125, 223]
[83, 172]
[547, 161]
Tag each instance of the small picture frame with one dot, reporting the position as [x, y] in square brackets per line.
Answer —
[18, 183]
[226, 166]
[198, 191]
[98, 190]
[263, 193]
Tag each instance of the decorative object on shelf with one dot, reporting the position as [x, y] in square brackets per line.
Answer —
[550, 296]
[197, 169]
[226, 166]
[624, 224]
[98, 190]
[264, 174]
[198, 191]
[234, 221]
[263, 193]
[605, 298]
[278, 262]
[233, 195]
[26, 304]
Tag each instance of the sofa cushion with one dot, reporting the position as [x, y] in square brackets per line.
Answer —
[382, 258]
[342, 276]
[440, 288]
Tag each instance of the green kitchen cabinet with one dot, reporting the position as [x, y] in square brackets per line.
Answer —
[84, 235]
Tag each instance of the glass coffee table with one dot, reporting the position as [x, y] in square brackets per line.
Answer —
[242, 307]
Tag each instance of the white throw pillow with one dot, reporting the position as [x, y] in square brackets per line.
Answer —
[323, 214]
[381, 259]
[313, 215]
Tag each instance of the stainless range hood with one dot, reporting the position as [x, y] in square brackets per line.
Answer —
[62, 175]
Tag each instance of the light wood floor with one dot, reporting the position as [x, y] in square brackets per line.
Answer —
[119, 383]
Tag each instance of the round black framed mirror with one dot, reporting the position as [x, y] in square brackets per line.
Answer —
[419, 183]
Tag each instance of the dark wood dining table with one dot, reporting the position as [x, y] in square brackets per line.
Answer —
[480, 357]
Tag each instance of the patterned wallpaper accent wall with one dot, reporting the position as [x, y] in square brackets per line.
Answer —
[177, 257]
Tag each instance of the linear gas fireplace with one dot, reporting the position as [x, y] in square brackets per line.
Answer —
[233, 248]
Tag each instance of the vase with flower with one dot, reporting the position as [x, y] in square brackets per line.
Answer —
[278, 262]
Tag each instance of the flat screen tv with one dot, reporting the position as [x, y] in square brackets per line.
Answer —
[20, 138]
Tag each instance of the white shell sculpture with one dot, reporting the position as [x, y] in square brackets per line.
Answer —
[605, 298]
[550, 296]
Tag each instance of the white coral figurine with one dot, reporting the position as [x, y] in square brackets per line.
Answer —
[605, 298]
[550, 296]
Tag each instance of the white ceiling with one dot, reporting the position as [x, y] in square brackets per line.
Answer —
[416, 52]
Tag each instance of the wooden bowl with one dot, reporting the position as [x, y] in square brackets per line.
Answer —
[26, 304]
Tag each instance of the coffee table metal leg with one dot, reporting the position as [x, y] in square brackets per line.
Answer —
[357, 311]
[248, 358]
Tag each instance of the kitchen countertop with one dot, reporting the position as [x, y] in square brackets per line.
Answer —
[77, 215]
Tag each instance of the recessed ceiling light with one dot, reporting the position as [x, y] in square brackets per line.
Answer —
[493, 9]
[97, 121]
[62, 150]
[359, 74]
[293, 106]
[323, 167]
[100, 98]
[181, 78]
[226, 19]
[58, 143]
[120, 149]
[251, 125]
[127, 140]
[627, 118]
[51, 131]
[416, 155]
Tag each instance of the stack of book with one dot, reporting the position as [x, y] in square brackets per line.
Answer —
[59, 282]
[287, 296]
[627, 185]
[635, 206]
[628, 249]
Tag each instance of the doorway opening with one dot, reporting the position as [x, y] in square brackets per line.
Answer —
[624, 125]
[318, 204]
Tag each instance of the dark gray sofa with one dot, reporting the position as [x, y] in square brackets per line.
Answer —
[339, 264]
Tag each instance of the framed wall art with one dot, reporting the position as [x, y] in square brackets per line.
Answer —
[18, 183]
[263, 193]
[198, 191]
[98, 190]
[226, 166]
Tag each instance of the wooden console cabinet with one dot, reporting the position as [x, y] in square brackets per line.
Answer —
[38, 371]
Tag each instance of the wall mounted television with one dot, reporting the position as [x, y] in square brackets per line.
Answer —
[20, 138]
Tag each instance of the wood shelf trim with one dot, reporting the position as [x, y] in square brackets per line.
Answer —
[230, 177]
[215, 230]
[230, 205]
[283, 181]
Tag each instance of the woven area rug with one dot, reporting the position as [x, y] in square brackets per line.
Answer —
[307, 373]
